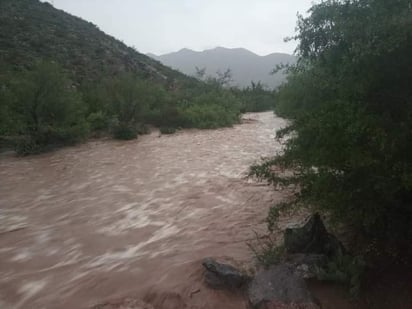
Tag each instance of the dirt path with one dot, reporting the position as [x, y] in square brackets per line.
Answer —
[109, 219]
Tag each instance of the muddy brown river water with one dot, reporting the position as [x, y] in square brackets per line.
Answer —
[108, 220]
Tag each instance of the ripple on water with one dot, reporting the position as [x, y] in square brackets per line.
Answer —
[109, 218]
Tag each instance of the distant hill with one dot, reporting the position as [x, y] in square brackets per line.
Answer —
[33, 31]
[244, 64]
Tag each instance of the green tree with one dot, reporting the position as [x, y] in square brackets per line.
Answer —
[6, 121]
[212, 109]
[47, 108]
[200, 73]
[255, 98]
[224, 78]
[350, 104]
[132, 102]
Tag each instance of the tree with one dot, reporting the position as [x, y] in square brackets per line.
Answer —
[47, 108]
[255, 98]
[200, 73]
[350, 104]
[224, 78]
[7, 125]
[130, 102]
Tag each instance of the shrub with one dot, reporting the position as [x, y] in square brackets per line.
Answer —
[124, 132]
[26, 145]
[212, 109]
[47, 109]
[255, 98]
[128, 99]
[98, 121]
[346, 270]
[349, 102]
[266, 250]
[167, 130]
[142, 129]
[7, 123]
[133, 103]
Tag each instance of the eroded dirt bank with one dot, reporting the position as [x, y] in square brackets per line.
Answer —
[106, 220]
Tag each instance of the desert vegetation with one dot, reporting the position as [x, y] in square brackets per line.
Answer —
[42, 107]
[348, 145]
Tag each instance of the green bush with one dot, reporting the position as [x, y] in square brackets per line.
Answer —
[128, 99]
[47, 109]
[266, 251]
[349, 102]
[346, 270]
[255, 98]
[142, 129]
[167, 130]
[44, 106]
[26, 146]
[211, 109]
[7, 121]
[134, 103]
[98, 121]
[124, 132]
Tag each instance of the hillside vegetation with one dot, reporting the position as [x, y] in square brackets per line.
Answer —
[33, 31]
[62, 80]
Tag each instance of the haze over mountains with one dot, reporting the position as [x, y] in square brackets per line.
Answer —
[245, 65]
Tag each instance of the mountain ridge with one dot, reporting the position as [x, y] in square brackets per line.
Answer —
[246, 66]
[185, 49]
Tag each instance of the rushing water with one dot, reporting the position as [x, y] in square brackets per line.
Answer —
[111, 220]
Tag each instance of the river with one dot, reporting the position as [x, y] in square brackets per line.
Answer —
[109, 220]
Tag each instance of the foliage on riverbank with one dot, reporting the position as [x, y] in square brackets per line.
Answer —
[349, 101]
[42, 108]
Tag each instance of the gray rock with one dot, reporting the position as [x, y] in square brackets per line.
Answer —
[279, 287]
[312, 238]
[222, 276]
[304, 265]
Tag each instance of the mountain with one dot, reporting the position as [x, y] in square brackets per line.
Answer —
[33, 31]
[245, 65]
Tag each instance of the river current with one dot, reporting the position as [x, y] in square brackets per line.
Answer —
[128, 223]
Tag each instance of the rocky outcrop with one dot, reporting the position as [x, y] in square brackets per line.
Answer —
[279, 287]
[312, 238]
[308, 248]
[223, 276]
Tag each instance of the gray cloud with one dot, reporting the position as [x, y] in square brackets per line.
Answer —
[162, 26]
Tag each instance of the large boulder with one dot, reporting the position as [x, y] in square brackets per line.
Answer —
[312, 238]
[223, 276]
[279, 287]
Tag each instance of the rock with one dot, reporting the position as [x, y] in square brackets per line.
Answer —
[312, 238]
[279, 287]
[221, 276]
[304, 265]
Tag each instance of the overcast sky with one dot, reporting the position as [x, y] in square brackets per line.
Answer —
[162, 26]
